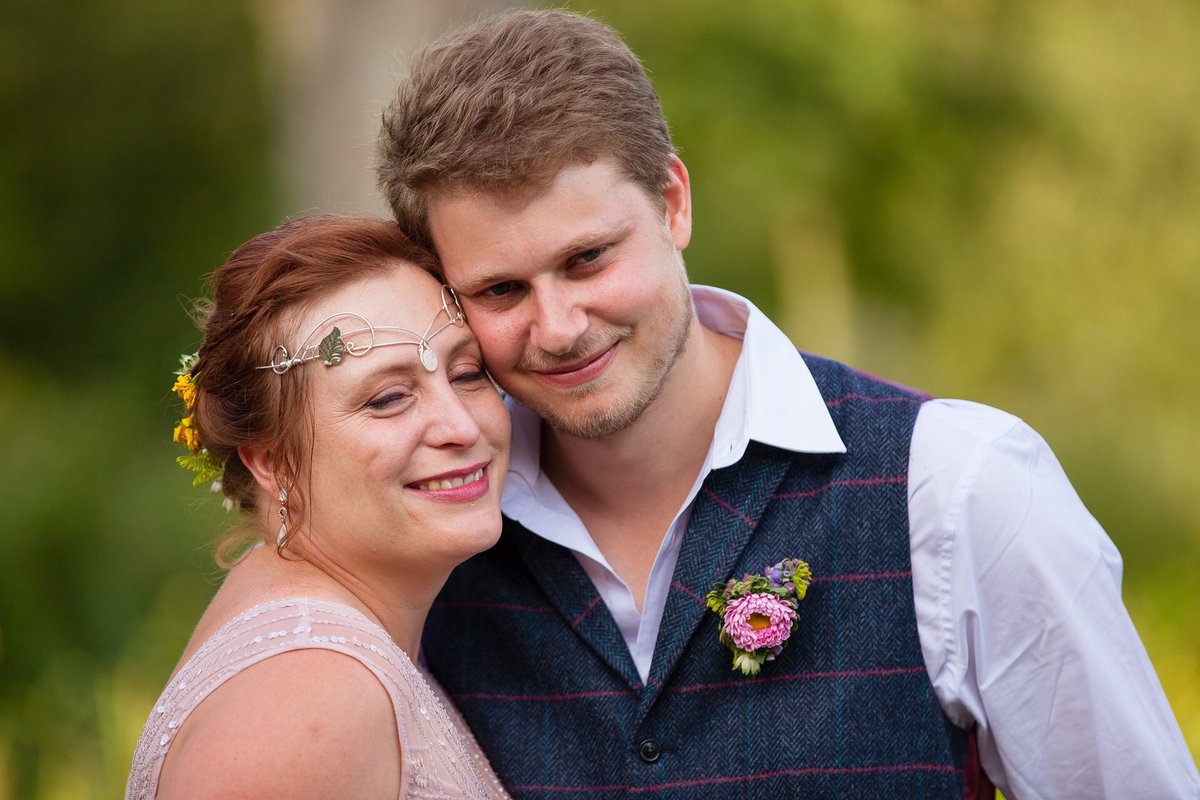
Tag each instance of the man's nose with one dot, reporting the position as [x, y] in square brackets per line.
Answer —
[559, 320]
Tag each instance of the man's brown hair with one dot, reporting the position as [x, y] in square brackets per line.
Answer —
[503, 105]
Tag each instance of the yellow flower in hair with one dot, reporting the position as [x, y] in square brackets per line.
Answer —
[187, 435]
[186, 389]
[198, 460]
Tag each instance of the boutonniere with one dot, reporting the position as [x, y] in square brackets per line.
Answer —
[758, 612]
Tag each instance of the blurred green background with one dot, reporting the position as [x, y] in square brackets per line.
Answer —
[991, 200]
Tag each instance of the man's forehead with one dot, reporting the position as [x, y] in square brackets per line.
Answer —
[565, 183]
[509, 195]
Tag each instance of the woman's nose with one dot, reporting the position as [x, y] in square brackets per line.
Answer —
[452, 424]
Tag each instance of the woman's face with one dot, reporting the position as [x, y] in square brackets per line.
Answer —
[407, 463]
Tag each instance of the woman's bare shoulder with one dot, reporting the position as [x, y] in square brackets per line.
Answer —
[308, 723]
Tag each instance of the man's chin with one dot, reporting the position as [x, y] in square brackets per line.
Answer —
[590, 426]
[586, 415]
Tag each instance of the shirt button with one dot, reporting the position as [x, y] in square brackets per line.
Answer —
[649, 750]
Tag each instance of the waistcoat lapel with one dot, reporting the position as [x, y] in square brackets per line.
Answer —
[574, 596]
[726, 513]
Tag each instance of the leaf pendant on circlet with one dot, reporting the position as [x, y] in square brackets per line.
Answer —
[332, 348]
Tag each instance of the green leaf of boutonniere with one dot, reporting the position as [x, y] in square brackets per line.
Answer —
[332, 348]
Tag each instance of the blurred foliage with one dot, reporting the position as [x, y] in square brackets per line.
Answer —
[134, 155]
[987, 200]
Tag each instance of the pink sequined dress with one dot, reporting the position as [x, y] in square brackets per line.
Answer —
[439, 756]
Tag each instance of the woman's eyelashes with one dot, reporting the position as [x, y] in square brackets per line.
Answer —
[467, 376]
[388, 400]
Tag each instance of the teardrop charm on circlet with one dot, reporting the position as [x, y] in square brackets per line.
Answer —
[429, 359]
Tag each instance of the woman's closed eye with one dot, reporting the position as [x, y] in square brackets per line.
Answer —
[467, 377]
[387, 400]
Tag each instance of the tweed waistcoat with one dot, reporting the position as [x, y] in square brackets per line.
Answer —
[527, 649]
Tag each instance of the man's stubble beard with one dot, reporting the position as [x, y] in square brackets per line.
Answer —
[622, 412]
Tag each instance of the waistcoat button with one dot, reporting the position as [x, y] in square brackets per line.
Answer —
[649, 750]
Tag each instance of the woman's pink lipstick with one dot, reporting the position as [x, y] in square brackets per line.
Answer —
[457, 485]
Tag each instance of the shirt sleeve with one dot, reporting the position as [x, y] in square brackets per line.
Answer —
[1020, 618]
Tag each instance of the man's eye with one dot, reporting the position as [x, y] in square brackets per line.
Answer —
[588, 256]
[499, 289]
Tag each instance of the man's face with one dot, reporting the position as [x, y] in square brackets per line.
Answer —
[577, 293]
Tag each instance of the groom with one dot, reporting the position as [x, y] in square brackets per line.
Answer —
[964, 620]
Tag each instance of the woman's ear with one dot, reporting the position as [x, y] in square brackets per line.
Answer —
[259, 464]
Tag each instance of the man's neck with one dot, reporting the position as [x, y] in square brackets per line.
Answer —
[628, 487]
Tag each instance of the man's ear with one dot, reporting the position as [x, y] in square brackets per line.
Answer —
[259, 464]
[677, 199]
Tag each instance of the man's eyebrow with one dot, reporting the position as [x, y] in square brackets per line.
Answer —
[479, 283]
[591, 239]
[595, 238]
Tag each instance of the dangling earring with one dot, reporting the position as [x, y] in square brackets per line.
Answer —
[281, 538]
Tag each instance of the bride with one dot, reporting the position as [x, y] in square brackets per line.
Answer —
[342, 406]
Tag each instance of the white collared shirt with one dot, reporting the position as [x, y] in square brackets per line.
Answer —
[1017, 588]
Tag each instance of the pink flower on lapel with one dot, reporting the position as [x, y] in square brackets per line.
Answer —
[759, 621]
[758, 612]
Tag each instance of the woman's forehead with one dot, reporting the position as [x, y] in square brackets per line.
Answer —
[404, 295]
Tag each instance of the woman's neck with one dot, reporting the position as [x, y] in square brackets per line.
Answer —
[397, 598]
